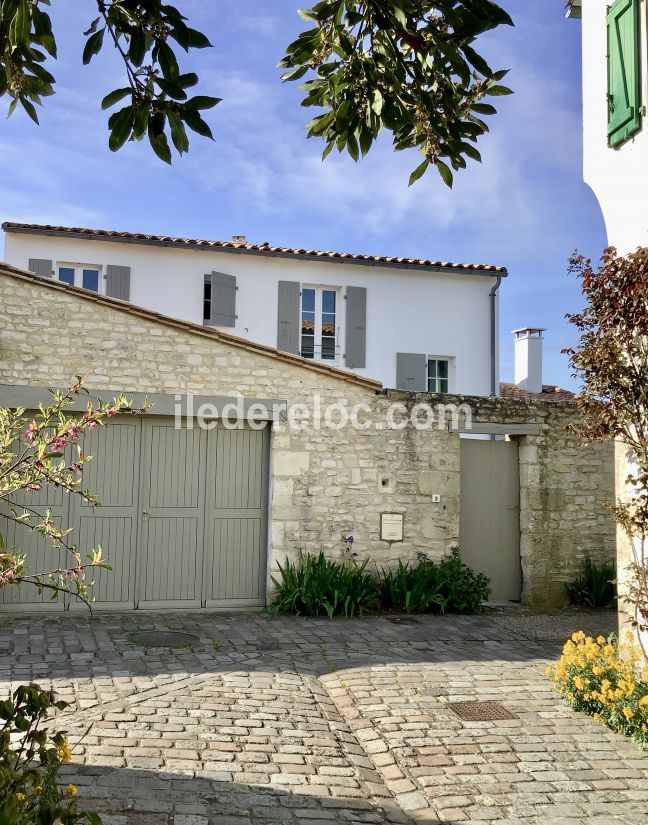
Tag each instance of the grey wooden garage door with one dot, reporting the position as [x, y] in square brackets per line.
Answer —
[182, 519]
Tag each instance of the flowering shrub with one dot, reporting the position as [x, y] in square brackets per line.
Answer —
[30, 759]
[46, 450]
[594, 680]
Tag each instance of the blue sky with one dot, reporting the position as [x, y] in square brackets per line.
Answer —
[526, 207]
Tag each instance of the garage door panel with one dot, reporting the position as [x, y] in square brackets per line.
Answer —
[112, 473]
[170, 567]
[113, 476]
[239, 479]
[115, 536]
[42, 557]
[174, 477]
[235, 574]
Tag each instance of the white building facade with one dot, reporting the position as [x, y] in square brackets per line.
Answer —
[412, 324]
[615, 126]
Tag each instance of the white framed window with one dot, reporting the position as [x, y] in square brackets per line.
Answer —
[320, 323]
[440, 374]
[87, 276]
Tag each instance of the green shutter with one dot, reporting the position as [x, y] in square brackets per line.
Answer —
[624, 77]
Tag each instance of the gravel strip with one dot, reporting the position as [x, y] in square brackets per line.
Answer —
[558, 625]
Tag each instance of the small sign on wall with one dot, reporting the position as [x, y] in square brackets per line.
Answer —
[391, 526]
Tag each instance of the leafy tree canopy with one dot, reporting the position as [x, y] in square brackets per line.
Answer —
[406, 66]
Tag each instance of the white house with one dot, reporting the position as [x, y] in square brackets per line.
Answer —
[615, 127]
[410, 323]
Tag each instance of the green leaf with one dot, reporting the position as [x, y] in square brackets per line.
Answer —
[178, 133]
[171, 88]
[202, 102]
[114, 97]
[160, 145]
[477, 61]
[483, 109]
[93, 46]
[21, 25]
[497, 91]
[30, 109]
[419, 172]
[444, 171]
[295, 74]
[121, 128]
[167, 60]
[137, 47]
[195, 122]
[198, 40]
[187, 80]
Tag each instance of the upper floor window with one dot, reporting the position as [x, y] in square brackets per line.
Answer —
[319, 330]
[438, 375]
[624, 70]
[83, 275]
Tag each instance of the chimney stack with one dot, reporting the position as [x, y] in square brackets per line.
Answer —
[528, 358]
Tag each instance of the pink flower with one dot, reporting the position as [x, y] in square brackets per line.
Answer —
[30, 432]
[74, 433]
[57, 444]
[92, 425]
[111, 411]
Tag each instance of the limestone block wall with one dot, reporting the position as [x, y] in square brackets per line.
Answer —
[325, 483]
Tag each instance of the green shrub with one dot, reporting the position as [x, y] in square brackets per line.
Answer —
[317, 586]
[447, 586]
[595, 587]
[30, 760]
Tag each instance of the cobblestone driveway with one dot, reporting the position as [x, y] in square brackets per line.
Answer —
[277, 721]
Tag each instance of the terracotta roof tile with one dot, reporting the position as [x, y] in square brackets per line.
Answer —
[549, 393]
[196, 329]
[241, 247]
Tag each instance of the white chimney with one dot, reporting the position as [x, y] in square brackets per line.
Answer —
[528, 358]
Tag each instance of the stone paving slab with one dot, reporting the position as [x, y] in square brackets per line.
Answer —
[304, 721]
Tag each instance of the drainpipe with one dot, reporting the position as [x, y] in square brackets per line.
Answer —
[493, 333]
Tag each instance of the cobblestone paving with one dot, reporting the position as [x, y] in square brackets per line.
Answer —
[297, 721]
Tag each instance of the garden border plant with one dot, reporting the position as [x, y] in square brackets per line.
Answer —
[595, 680]
[319, 586]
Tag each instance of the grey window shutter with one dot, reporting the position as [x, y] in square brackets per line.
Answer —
[288, 321]
[356, 327]
[41, 266]
[223, 300]
[411, 372]
[118, 282]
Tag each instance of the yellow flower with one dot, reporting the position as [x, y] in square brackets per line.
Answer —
[597, 717]
[628, 713]
[72, 790]
[643, 702]
[601, 640]
[64, 751]
[597, 670]
[19, 797]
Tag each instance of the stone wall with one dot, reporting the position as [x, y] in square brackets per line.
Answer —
[326, 483]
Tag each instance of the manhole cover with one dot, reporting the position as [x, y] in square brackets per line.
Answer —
[480, 711]
[162, 638]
